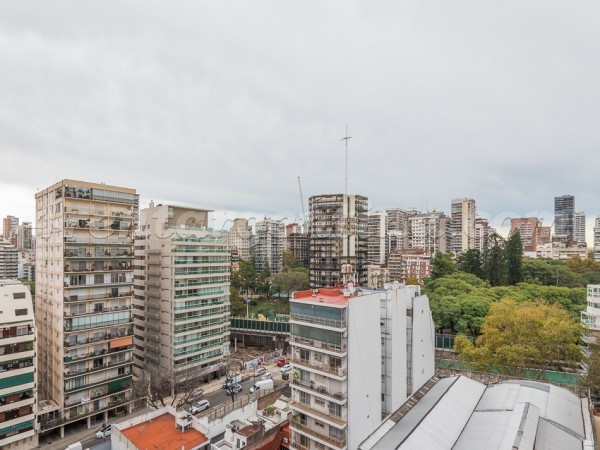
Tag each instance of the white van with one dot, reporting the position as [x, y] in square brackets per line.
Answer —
[263, 384]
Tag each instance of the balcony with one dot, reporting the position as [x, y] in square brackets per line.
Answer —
[152, 294]
[328, 418]
[98, 311]
[302, 425]
[333, 370]
[82, 298]
[155, 273]
[99, 383]
[153, 251]
[320, 345]
[321, 390]
[96, 368]
[152, 283]
[318, 320]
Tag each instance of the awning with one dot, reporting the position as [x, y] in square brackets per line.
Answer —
[121, 342]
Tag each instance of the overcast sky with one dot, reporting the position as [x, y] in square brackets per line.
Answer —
[224, 104]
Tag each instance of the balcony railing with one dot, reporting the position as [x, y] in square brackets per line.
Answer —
[302, 425]
[321, 390]
[319, 320]
[98, 311]
[96, 368]
[80, 298]
[98, 383]
[337, 371]
[319, 344]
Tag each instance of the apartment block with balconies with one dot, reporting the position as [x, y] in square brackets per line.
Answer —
[84, 270]
[182, 299]
[17, 368]
[336, 375]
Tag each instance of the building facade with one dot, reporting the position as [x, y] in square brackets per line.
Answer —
[9, 227]
[408, 263]
[528, 230]
[597, 239]
[579, 229]
[429, 232]
[181, 294]
[462, 224]
[482, 234]
[9, 261]
[84, 281]
[24, 236]
[239, 237]
[376, 237]
[270, 239]
[341, 387]
[564, 216]
[18, 386]
[338, 239]
[299, 244]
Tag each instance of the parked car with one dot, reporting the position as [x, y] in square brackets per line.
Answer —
[267, 376]
[195, 396]
[286, 368]
[264, 384]
[104, 432]
[260, 371]
[200, 406]
[235, 389]
[281, 362]
[285, 376]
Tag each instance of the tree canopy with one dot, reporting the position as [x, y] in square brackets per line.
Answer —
[517, 336]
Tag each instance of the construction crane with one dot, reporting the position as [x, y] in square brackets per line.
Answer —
[302, 204]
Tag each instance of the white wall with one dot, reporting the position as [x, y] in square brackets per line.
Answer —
[423, 343]
[364, 368]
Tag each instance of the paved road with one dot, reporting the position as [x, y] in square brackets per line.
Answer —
[220, 396]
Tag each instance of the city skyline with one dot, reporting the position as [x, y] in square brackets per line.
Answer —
[497, 107]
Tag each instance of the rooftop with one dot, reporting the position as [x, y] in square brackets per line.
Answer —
[330, 296]
[162, 433]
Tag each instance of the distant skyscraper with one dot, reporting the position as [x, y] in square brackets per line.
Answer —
[597, 239]
[376, 237]
[24, 241]
[482, 233]
[239, 236]
[527, 227]
[564, 216]
[269, 245]
[579, 229]
[338, 239]
[9, 261]
[462, 224]
[9, 227]
[428, 231]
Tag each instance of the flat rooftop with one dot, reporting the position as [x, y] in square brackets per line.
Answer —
[162, 433]
[329, 296]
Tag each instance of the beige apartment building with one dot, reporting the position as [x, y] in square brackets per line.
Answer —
[84, 279]
[182, 300]
[462, 224]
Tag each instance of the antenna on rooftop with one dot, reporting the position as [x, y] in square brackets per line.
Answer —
[345, 138]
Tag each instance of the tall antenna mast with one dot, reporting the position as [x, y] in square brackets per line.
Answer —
[345, 138]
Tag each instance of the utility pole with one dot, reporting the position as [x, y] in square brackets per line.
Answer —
[345, 138]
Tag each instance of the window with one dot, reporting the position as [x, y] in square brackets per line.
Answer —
[18, 295]
[21, 312]
[319, 402]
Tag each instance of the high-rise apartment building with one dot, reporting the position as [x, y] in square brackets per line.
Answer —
[338, 239]
[409, 263]
[543, 235]
[579, 229]
[428, 231]
[376, 237]
[597, 239]
[482, 233]
[9, 261]
[239, 237]
[18, 386]
[564, 216]
[84, 280]
[397, 227]
[462, 224]
[269, 245]
[24, 236]
[181, 294]
[9, 227]
[299, 244]
[344, 387]
[528, 230]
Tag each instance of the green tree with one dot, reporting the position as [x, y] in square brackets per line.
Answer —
[238, 306]
[263, 282]
[470, 262]
[515, 337]
[494, 264]
[592, 377]
[244, 279]
[286, 282]
[442, 264]
[514, 258]
[290, 261]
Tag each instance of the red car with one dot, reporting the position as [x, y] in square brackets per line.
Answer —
[281, 362]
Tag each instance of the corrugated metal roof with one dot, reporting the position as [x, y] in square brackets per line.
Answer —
[437, 420]
[551, 437]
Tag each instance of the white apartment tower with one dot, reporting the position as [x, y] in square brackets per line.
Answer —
[17, 368]
[579, 228]
[84, 280]
[342, 388]
[24, 236]
[376, 237]
[428, 231]
[270, 240]
[597, 239]
[181, 302]
[239, 236]
[9, 261]
[462, 224]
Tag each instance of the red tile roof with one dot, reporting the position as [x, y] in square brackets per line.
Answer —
[161, 433]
